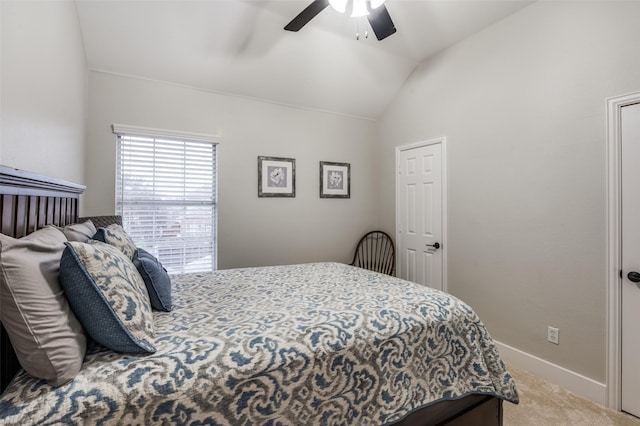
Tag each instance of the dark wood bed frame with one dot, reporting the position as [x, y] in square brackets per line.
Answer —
[29, 201]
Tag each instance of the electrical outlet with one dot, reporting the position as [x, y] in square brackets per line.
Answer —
[553, 335]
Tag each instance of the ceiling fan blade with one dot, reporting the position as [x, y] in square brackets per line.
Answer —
[381, 22]
[306, 15]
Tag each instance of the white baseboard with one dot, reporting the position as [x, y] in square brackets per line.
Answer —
[576, 383]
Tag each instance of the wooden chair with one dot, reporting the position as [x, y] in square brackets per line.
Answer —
[376, 252]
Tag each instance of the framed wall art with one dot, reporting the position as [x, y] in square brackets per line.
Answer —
[335, 180]
[276, 177]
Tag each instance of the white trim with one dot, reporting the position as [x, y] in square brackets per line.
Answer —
[614, 252]
[576, 383]
[445, 246]
[125, 129]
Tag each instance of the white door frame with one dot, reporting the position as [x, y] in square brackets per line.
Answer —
[614, 247]
[445, 246]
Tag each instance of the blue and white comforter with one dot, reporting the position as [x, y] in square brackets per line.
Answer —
[317, 344]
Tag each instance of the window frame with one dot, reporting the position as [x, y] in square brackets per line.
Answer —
[177, 136]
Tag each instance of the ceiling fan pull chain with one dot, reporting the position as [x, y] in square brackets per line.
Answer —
[366, 32]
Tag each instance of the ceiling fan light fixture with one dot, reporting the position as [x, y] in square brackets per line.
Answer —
[339, 5]
[359, 8]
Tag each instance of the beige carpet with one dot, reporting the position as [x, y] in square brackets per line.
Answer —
[543, 403]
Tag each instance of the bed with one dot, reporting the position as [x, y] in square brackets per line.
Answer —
[320, 343]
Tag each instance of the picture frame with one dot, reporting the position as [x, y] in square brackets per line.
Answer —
[335, 180]
[276, 177]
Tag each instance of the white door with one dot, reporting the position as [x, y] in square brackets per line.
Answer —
[630, 131]
[419, 207]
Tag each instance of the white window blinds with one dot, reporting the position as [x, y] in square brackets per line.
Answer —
[166, 194]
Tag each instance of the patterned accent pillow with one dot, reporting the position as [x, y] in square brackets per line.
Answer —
[156, 279]
[47, 337]
[116, 236]
[108, 296]
[82, 232]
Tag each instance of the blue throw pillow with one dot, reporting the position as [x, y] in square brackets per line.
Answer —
[116, 236]
[108, 296]
[155, 278]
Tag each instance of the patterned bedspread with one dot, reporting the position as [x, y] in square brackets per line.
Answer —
[317, 344]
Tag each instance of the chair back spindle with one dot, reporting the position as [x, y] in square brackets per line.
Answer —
[376, 252]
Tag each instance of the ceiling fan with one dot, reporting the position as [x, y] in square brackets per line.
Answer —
[375, 11]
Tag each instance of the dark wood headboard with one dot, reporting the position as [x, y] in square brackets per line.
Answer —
[29, 201]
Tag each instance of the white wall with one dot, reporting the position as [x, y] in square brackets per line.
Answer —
[522, 105]
[252, 231]
[43, 84]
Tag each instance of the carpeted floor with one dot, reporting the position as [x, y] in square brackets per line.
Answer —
[543, 403]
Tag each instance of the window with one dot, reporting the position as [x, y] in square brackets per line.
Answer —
[166, 194]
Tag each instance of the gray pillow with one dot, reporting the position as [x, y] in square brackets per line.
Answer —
[82, 232]
[108, 296]
[116, 236]
[156, 279]
[47, 337]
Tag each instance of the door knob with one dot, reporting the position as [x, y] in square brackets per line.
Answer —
[437, 246]
[634, 276]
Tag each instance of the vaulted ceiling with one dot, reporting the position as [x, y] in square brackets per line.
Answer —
[239, 47]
